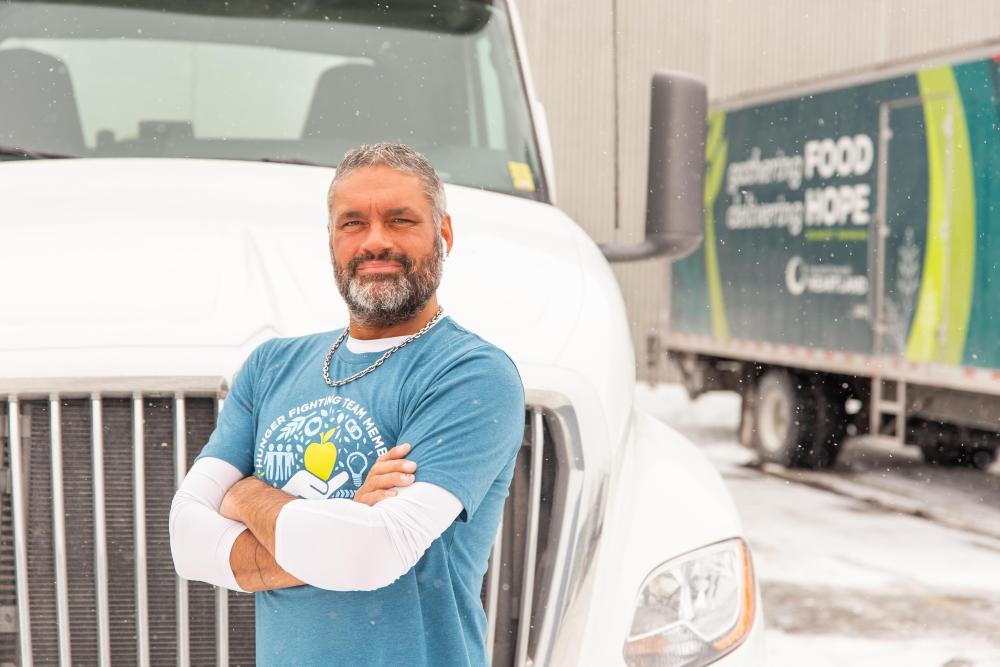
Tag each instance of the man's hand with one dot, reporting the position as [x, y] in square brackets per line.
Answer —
[389, 471]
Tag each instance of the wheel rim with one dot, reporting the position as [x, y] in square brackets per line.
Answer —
[774, 421]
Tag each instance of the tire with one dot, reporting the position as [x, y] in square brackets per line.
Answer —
[983, 458]
[830, 426]
[949, 447]
[783, 412]
[944, 455]
[745, 433]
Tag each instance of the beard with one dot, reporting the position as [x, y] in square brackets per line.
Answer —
[387, 299]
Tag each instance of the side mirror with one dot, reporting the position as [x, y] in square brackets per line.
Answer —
[675, 193]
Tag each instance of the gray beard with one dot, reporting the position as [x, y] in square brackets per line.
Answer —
[383, 300]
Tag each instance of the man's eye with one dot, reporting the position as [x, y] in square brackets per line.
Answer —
[403, 221]
[351, 223]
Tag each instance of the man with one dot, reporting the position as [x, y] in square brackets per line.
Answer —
[297, 495]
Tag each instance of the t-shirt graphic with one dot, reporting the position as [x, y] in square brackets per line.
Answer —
[320, 449]
[459, 402]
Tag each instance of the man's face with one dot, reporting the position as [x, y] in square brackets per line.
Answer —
[385, 250]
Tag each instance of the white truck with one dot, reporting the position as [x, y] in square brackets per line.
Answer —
[162, 211]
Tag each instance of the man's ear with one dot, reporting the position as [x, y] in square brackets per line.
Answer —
[447, 234]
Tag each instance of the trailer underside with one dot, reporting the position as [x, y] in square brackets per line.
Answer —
[800, 404]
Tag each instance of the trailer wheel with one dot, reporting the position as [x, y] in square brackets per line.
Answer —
[939, 443]
[944, 455]
[783, 410]
[830, 426]
[947, 446]
[745, 434]
[952, 456]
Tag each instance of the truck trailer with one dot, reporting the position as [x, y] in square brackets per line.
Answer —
[848, 279]
[163, 212]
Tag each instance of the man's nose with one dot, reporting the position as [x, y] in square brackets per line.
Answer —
[377, 239]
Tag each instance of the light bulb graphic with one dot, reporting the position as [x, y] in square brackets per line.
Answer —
[357, 463]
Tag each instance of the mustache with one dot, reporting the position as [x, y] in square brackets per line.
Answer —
[385, 256]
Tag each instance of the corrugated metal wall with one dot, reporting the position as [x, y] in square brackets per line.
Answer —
[592, 61]
[763, 45]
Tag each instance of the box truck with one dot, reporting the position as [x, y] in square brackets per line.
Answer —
[848, 279]
[162, 212]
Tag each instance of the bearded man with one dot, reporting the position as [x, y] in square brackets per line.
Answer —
[360, 554]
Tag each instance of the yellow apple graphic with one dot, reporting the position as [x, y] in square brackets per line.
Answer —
[321, 456]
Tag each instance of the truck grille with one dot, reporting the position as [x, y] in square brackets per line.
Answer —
[86, 575]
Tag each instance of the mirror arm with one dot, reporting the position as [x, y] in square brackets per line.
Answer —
[656, 246]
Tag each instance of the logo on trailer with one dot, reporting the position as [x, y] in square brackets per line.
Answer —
[823, 279]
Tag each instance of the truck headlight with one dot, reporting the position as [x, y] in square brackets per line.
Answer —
[693, 609]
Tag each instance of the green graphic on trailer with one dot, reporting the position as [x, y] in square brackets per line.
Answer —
[977, 84]
[791, 200]
[690, 303]
[715, 161]
[939, 324]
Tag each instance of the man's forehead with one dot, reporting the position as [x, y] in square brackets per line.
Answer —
[380, 188]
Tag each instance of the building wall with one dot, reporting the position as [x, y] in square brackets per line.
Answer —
[754, 51]
[592, 61]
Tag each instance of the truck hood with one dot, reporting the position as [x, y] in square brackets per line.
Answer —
[180, 267]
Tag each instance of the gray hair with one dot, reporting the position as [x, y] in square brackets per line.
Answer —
[401, 158]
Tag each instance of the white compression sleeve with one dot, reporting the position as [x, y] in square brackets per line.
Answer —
[342, 545]
[200, 538]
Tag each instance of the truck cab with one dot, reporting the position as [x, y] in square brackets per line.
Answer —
[163, 173]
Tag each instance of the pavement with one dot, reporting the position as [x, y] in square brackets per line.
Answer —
[881, 561]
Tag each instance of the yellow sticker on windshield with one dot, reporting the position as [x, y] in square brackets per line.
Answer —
[521, 177]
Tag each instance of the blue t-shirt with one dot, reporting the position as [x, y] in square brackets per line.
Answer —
[459, 402]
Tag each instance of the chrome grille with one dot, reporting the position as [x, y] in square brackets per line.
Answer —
[8, 599]
[99, 585]
[513, 593]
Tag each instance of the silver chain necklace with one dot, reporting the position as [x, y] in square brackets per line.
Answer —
[380, 361]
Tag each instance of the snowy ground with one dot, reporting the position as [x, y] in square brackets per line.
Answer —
[881, 562]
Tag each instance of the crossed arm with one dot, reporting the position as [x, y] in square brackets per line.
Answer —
[243, 534]
[257, 506]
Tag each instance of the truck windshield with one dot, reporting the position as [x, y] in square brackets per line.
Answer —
[281, 80]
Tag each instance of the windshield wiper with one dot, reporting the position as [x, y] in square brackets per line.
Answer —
[294, 160]
[32, 155]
